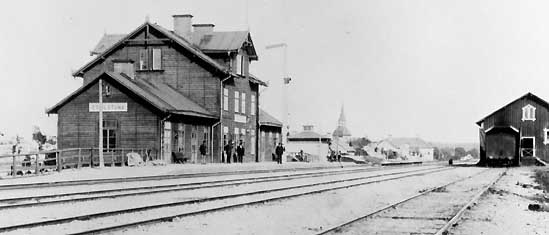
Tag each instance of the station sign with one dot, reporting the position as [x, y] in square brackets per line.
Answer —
[240, 118]
[109, 107]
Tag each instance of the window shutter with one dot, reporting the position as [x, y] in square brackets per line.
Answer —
[157, 59]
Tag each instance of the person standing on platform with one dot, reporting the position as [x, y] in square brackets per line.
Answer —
[235, 155]
[203, 151]
[223, 153]
[228, 151]
[240, 151]
[279, 151]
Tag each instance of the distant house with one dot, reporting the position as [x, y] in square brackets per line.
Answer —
[270, 130]
[310, 142]
[517, 131]
[414, 149]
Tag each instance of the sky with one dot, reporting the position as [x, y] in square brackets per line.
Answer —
[429, 68]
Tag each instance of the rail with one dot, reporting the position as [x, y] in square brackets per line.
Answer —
[44, 161]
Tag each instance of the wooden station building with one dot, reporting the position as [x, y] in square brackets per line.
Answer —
[518, 132]
[166, 90]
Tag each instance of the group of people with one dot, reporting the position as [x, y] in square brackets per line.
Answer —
[230, 152]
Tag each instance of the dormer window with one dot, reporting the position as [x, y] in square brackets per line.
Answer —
[529, 113]
[238, 64]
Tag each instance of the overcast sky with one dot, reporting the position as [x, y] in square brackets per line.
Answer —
[403, 68]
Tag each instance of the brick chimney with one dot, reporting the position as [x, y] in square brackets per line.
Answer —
[182, 26]
[203, 28]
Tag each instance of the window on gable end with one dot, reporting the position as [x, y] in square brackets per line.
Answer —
[528, 113]
[143, 59]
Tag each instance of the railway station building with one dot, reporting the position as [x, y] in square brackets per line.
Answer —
[167, 91]
[517, 133]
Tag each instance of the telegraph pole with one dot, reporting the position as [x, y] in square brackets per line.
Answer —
[101, 160]
[285, 83]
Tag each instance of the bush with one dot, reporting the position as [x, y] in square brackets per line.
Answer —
[542, 178]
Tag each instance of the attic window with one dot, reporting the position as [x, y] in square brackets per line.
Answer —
[150, 59]
[528, 113]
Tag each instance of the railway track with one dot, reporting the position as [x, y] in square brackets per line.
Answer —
[155, 177]
[168, 211]
[407, 216]
[68, 197]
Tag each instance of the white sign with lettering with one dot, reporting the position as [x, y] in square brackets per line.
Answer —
[240, 118]
[109, 107]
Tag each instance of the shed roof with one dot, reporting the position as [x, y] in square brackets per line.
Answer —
[265, 119]
[528, 95]
[158, 94]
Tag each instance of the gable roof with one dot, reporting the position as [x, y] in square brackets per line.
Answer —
[266, 119]
[178, 40]
[210, 42]
[308, 135]
[107, 41]
[158, 94]
[528, 95]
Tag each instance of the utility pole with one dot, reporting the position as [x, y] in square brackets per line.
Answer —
[285, 83]
[101, 160]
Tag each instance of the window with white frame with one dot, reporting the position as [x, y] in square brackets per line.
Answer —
[252, 101]
[236, 101]
[529, 113]
[236, 133]
[225, 134]
[546, 134]
[150, 59]
[225, 99]
[243, 101]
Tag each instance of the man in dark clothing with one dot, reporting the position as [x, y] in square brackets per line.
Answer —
[279, 151]
[203, 151]
[228, 151]
[240, 151]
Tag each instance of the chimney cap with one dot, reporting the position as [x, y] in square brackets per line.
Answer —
[183, 15]
[203, 25]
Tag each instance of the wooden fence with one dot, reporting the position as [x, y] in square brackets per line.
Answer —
[37, 162]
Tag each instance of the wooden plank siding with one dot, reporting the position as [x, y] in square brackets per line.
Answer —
[242, 86]
[141, 126]
[79, 128]
[511, 115]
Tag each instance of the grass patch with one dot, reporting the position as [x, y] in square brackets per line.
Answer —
[542, 178]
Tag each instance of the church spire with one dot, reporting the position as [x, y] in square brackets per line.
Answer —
[342, 121]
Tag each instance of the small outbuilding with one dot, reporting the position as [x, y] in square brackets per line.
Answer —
[517, 133]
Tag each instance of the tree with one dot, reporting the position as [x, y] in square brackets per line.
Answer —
[459, 152]
[38, 137]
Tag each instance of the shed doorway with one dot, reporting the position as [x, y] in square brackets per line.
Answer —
[527, 147]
